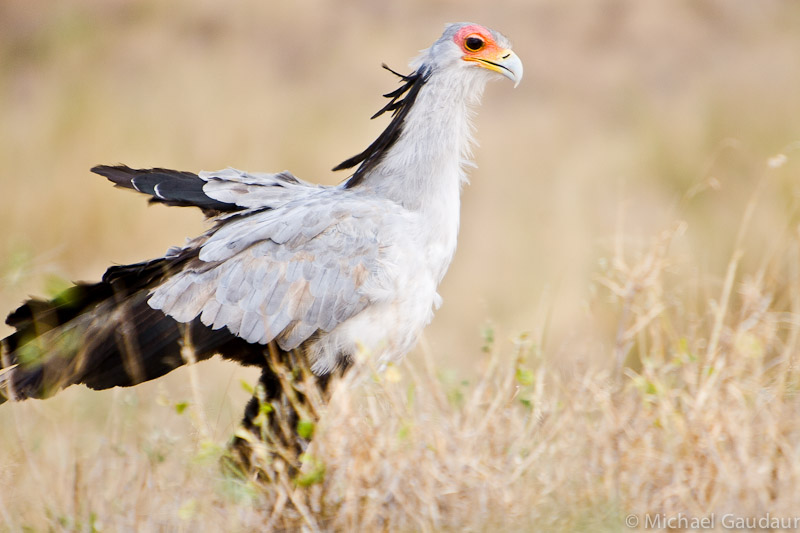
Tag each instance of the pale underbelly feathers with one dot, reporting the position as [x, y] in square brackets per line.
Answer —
[383, 332]
[403, 299]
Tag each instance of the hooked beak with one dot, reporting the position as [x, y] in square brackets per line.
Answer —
[505, 62]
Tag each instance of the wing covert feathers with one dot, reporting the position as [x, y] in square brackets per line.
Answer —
[279, 275]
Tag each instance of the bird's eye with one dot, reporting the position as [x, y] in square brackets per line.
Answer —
[473, 43]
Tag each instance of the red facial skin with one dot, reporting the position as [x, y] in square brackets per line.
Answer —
[488, 50]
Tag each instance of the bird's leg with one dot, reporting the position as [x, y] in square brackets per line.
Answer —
[280, 418]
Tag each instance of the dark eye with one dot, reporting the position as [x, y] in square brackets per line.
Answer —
[473, 43]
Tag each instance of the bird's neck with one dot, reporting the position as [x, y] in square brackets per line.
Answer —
[423, 170]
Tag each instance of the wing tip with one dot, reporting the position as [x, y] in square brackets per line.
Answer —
[105, 170]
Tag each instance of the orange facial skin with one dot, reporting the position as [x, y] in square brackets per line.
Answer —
[479, 46]
[489, 50]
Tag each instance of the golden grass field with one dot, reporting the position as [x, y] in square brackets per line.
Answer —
[619, 336]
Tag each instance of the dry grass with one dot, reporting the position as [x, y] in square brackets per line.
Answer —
[705, 426]
[636, 207]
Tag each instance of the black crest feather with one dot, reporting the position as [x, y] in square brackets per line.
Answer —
[400, 102]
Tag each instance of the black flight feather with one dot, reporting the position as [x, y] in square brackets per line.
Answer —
[170, 187]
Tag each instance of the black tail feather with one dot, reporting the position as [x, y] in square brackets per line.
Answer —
[106, 335]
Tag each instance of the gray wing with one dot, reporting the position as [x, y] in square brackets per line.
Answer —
[255, 190]
[284, 273]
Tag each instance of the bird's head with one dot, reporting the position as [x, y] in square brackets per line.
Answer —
[465, 47]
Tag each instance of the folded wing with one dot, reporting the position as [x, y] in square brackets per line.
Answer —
[284, 273]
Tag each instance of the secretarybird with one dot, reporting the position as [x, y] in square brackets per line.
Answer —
[290, 273]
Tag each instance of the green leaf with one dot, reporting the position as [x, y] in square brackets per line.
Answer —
[524, 376]
[189, 509]
[209, 452]
[411, 394]
[247, 387]
[30, 354]
[488, 338]
[57, 287]
[404, 432]
[315, 474]
[180, 407]
[305, 428]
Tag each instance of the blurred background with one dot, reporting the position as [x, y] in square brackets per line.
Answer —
[632, 116]
[626, 106]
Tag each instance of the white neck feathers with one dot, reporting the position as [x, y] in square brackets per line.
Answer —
[424, 168]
